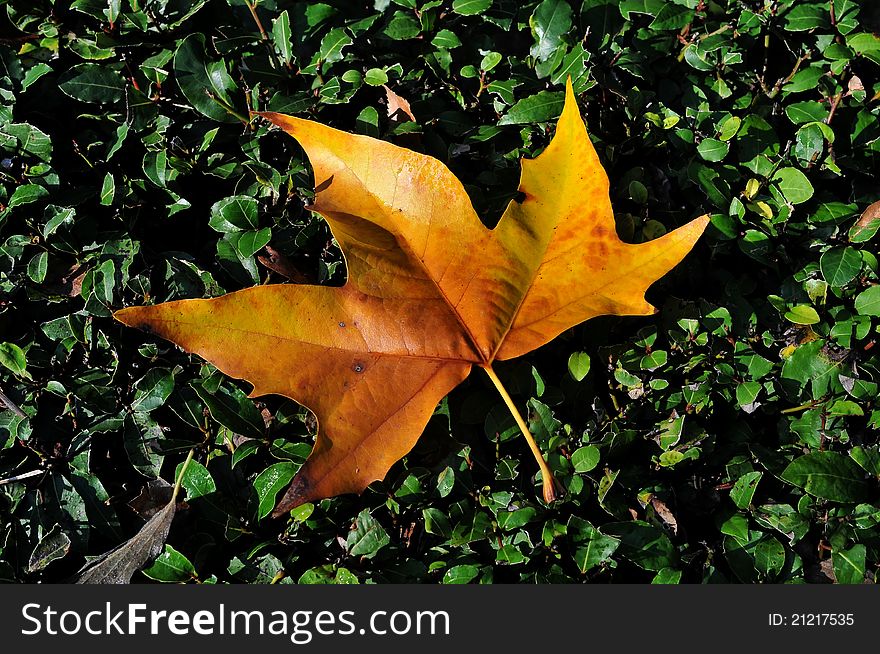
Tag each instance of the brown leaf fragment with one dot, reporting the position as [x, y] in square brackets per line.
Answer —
[823, 573]
[398, 106]
[665, 514]
[119, 565]
[854, 84]
[278, 263]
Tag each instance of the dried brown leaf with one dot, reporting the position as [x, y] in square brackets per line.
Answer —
[397, 104]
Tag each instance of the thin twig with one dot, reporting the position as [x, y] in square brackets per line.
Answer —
[26, 475]
[12, 406]
[253, 7]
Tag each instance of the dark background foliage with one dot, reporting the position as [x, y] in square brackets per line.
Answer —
[733, 437]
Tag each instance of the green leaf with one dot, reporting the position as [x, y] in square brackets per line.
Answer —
[204, 83]
[54, 545]
[849, 565]
[152, 390]
[196, 480]
[470, 7]
[802, 314]
[744, 489]
[667, 576]
[867, 458]
[461, 574]
[108, 190]
[649, 7]
[747, 393]
[270, 482]
[654, 360]
[591, 547]
[333, 44]
[672, 16]
[38, 266]
[26, 194]
[840, 266]
[865, 229]
[585, 458]
[845, 408]
[806, 17]
[793, 185]
[866, 45]
[281, 36]
[13, 358]
[376, 77]
[868, 301]
[550, 21]
[643, 544]
[33, 74]
[445, 481]
[538, 108]
[233, 409]
[638, 192]
[728, 129]
[247, 244]
[368, 536]
[827, 475]
[806, 112]
[171, 567]
[446, 39]
[26, 139]
[809, 143]
[579, 365]
[403, 26]
[234, 214]
[769, 557]
[94, 83]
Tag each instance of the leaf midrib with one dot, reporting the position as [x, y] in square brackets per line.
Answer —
[253, 332]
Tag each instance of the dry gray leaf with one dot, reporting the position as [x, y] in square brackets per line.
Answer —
[153, 497]
[119, 565]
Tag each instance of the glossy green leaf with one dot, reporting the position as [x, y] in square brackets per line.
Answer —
[94, 83]
[840, 266]
[579, 365]
[204, 82]
[828, 475]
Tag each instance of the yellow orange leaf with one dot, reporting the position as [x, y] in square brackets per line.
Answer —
[430, 292]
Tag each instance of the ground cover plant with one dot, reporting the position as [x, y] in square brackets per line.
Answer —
[732, 437]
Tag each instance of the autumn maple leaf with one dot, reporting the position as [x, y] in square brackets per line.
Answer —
[430, 293]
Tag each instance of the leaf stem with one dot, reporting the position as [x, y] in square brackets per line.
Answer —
[802, 407]
[549, 482]
[253, 9]
[177, 483]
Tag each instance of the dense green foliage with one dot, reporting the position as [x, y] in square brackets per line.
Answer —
[731, 438]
